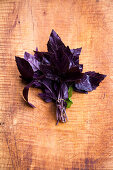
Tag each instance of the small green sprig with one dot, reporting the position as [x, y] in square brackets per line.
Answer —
[69, 101]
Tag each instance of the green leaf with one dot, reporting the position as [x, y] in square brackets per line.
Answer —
[70, 90]
[69, 103]
[70, 100]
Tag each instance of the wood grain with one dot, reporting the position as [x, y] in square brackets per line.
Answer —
[29, 138]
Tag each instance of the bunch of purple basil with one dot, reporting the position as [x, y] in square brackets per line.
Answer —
[57, 72]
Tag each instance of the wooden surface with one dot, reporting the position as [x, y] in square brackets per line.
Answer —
[29, 138]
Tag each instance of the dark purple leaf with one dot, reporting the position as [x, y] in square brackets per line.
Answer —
[79, 91]
[76, 53]
[73, 56]
[25, 93]
[54, 42]
[48, 85]
[43, 57]
[90, 81]
[37, 84]
[36, 48]
[73, 74]
[60, 60]
[80, 67]
[38, 75]
[24, 68]
[35, 64]
[45, 97]
[49, 72]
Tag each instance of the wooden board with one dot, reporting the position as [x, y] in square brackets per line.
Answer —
[29, 138]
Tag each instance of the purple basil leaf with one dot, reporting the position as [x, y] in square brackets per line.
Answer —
[70, 57]
[76, 53]
[36, 48]
[54, 42]
[79, 91]
[37, 84]
[90, 81]
[38, 75]
[45, 60]
[35, 64]
[24, 68]
[48, 84]
[73, 56]
[45, 97]
[49, 72]
[56, 87]
[43, 57]
[38, 55]
[72, 75]
[25, 93]
[61, 60]
[80, 67]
